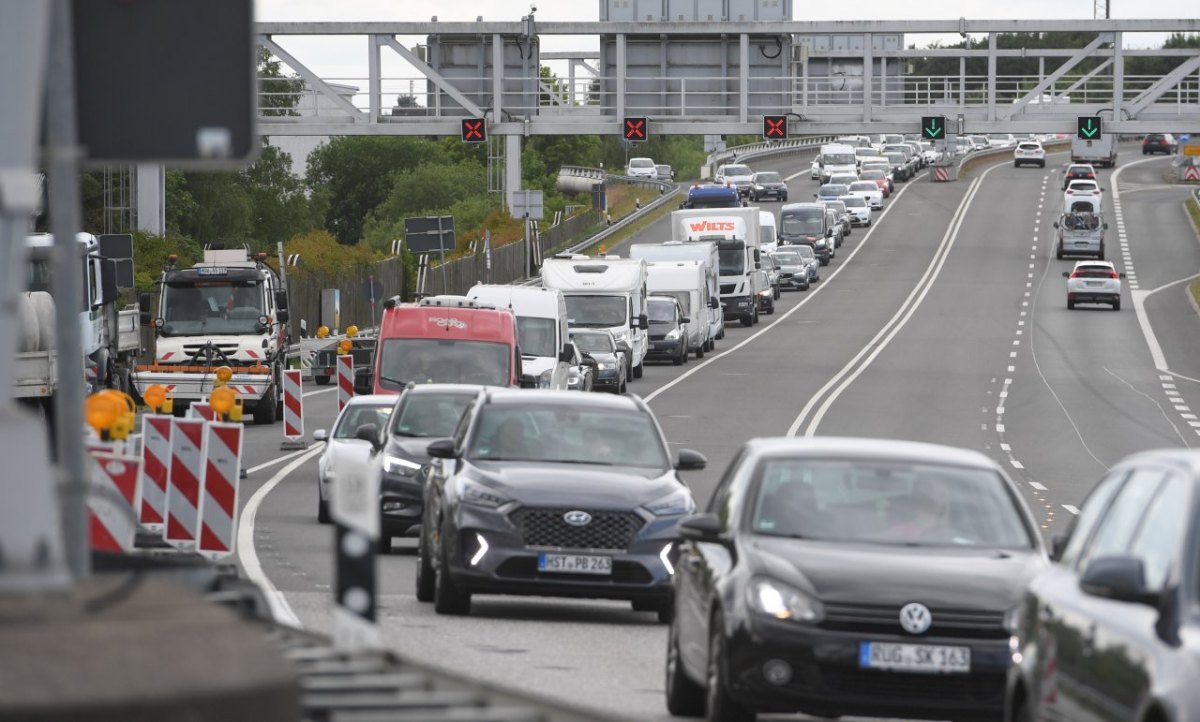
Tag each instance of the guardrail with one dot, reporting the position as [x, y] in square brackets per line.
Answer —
[768, 147]
[972, 159]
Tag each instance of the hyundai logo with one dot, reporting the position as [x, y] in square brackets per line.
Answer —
[577, 518]
[915, 618]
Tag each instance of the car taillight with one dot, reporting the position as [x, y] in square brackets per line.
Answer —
[1114, 275]
[1075, 274]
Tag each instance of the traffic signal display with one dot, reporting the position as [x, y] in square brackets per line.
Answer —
[775, 127]
[636, 129]
[1087, 127]
[933, 127]
[474, 130]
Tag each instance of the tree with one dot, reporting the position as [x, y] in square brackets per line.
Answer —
[281, 208]
[278, 94]
[355, 173]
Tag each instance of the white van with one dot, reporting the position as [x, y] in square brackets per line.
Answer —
[685, 280]
[836, 159]
[706, 254]
[605, 293]
[542, 334]
[768, 235]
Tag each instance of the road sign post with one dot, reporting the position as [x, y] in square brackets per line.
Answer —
[354, 506]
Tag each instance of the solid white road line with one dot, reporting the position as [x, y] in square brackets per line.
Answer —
[808, 296]
[280, 609]
[849, 373]
[277, 460]
[320, 391]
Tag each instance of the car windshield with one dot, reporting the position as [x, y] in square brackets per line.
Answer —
[807, 225]
[732, 260]
[641, 163]
[864, 186]
[681, 296]
[1030, 146]
[839, 159]
[660, 311]
[535, 336]
[854, 201]
[442, 361]
[356, 415]
[767, 235]
[571, 433]
[430, 415]
[787, 259]
[212, 308]
[832, 190]
[738, 170]
[594, 342]
[871, 175]
[805, 252]
[886, 502]
[836, 206]
[767, 178]
[597, 311]
[896, 158]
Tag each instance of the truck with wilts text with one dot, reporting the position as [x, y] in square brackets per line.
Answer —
[735, 231]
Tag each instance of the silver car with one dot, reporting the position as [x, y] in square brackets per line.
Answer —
[345, 453]
[1094, 282]
[797, 269]
[839, 207]
[859, 210]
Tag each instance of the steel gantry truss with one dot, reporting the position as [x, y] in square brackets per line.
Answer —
[730, 96]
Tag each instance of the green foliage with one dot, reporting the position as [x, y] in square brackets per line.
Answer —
[684, 153]
[431, 188]
[321, 251]
[281, 209]
[150, 254]
[180, 204]
[356, 172]
[277, 93]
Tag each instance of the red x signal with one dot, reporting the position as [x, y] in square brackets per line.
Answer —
[775, 127]
[636, 129]
[473, 130]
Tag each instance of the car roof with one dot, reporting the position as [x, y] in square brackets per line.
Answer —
[373, 400]
[569, 399]
[422, 389]
[876, 449]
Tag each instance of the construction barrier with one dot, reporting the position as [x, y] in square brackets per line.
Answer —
[202, 410]
[219, 502]
[293, 410]
[345, 379]
[112, 515]
[1191, 173]
[185, 481]
[156, 465]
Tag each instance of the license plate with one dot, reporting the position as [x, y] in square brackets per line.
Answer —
[929, 658]
[574, 564]
[1094, 284]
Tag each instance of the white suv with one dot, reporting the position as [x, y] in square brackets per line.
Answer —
[641, 168]
[1029, 151]
[1094, 282]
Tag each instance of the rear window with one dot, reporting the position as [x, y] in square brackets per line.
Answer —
[738, 170]
[1093, 272]
[1030, 146]
[864, 186]
[641, 163]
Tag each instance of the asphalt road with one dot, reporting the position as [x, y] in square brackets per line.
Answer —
[945, 322]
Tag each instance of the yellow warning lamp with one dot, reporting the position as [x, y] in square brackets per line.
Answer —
[155, 397]
[122, 427]
[603, 250]
[351, 331]
[223, 374]
[322, 331]
[344, 346]
[222, 401]
[101, 411]
[235, 414]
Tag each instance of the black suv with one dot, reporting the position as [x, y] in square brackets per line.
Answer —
[1159, 143]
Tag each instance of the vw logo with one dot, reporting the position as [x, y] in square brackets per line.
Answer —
[915, 618]
[577, 518]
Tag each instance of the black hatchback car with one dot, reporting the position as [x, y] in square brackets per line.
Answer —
[842, 577]
[1159, 143]
[1111, 631]
[553, 494]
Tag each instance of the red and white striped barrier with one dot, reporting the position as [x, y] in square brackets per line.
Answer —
[112, 519]
[293, 411]
[202, 410]
[185, 481]
[219, 502]
[941, 174]
[1191, 173]
[345, 378]
[156, 466]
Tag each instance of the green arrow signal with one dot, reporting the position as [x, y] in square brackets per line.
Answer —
[1090, 130]
[933, 131]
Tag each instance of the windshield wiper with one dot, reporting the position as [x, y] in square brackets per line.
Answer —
[391, 380]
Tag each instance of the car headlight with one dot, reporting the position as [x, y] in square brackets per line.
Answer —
[677, 502]
[544, 380]
[480, 495]
[673, 335]
[821, 243]
[1012, 619]
[400, 465]
[621, 336]
[605, 365]
[781, 601]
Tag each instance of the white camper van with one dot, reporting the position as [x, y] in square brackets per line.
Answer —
[685, 280]
[542, 332]
[605, 293]
[707, 255]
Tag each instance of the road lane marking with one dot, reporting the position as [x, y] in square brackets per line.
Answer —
[248, 555]
[1074, 510]
[276, 460]
[320, 391]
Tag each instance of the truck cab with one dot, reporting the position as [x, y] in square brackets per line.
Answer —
[445, 340]
[711, 195]
[736, 234]
[228, 310]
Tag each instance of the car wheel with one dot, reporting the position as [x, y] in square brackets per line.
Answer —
[1117, 305]
[322, 510]
[754, 320]
[447, 598]
[1100, 257]
[747, 320]
[1058, 253]
[719, 707]
[678, 359]
[637, 371]
[322, 380]
[622, 390]
[777, 293]
[1070, 305]
[784, 199]
[264, 410]
[426, 576]
[385, 543]
[700, 351]
[685, 698]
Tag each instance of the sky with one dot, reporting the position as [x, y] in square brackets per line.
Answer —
[346, 58]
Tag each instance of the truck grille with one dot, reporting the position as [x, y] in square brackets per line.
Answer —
[191, 349]
[611, 530]
[728, 287]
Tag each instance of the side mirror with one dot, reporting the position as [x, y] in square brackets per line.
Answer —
[566, 354]
[1122, 275]
[588, 361]
[1066, 275]
[442, 449]
[320, 435]
[829, 233]
[1056, 224]
[281, 301]
[370, 434]
[643, 322]
[364, 382]
[690, 460]
[713, 302]
[1120, 578]
[1106, 226]
[281, 315]
[685, 319]
[700, 527]
[527, 381]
